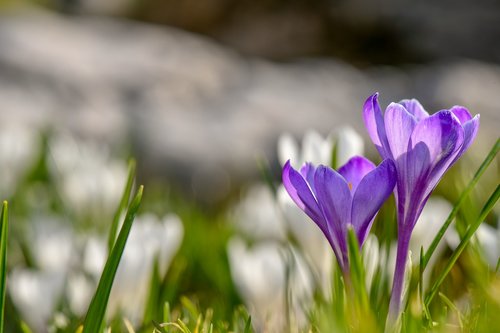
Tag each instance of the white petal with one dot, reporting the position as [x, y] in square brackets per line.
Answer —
[348, 144]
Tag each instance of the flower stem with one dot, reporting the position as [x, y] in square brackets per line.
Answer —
[399, 278]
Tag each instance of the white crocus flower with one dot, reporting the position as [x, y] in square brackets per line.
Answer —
[489, 239]
[371, 258]
[148, 238]
[312, 242]
[348, 144]
[18, 153]
[90, 181]
[260, 275]
[257, 215]
[315, 149]
[35, 292]
[433, 216]
[36, 295]
[52, 244]
[318, 150]
[79, 291]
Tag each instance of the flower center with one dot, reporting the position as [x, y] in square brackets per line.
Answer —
[350, 185]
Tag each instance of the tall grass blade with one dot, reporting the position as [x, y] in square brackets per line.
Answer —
[357, 268]
[123, 204]
[97, 308]
[3, 260]
[491, 156]
[468, 235]
[267, 174]
[248, 325]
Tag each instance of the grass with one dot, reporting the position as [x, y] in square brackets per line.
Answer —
[197, 293]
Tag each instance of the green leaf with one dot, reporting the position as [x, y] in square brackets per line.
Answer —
[421, 285]
[468, 235]
[123, 204]
[190, 307]
[248, 325]
[25, 328]
[357, 268]
[151, 308]
[183, 326]
[266, 174]
[4, 221]
[166, 312]
[334, 160]
[453, 307]
[97, 308]
[491, 156]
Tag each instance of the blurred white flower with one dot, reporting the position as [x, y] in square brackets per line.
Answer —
[489, 239]
[318, 150]
[35, 292]
[315, 149]
[52, 244]
[79, 292]
[348, 144]
[433, 216]
[36, 295]
[314, 245]
[89, 179]
[258, 216]
[260, 274]
[19, 147]
[149, 237]
[371, 258]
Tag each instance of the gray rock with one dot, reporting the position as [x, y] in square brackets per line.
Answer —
[192, 110]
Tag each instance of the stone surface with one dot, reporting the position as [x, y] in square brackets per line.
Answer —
[195, 111]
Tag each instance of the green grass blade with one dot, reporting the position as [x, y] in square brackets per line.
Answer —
[151, 308]
[425, 309]
[3, 260]
[25, 328]
[468, 235]
[123, 204]
[491, 156]
[97, 308]
[248, 325]
[267, 174]
[334, 160]
[183, 326]
[357, 268]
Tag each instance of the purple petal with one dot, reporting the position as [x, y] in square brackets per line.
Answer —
[414, 108]
[461, 113]
[301, 194]
[399, 125]
[374, 123]
[372, 192]
[442, 133]
[434, 144]
[307, 171]
[414, 169]
[354, 170]
[470, 131]
[335, 199]
[470, 126]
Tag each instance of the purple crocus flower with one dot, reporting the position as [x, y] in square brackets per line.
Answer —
[423, 148]
[335, 200]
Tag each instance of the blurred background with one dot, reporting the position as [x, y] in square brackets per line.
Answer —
[199, 91]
